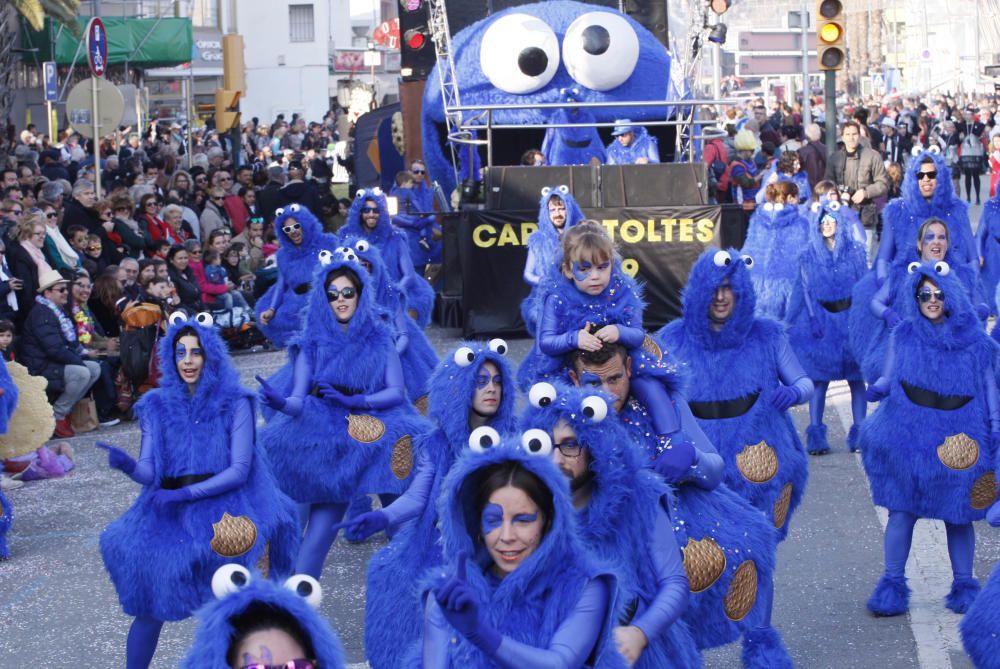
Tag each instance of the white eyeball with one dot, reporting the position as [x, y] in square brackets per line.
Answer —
[360, 194]
[748, 261]
[935, 149]
[177, 317]
[294, 207]
[228, 579]
[600, 50]
[564, 190]
[306, 587]
[722, 258]
[537, 442]
[815, 207]
[483, 438]
[916, 150]
[546, 190]
[778, 206]
[464, 356]
[594, 408]
[913, 267]
[350, 256]
[768, 206]
[499, 346]
[942, 268]
[519, 53]
[204, 319]
[362, 245]
[279, 211]
[834, 206]
[325, 257]
[541, 394]
[376, 191]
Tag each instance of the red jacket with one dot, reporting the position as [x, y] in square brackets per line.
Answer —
[208, 290]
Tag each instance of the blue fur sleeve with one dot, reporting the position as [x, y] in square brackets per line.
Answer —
[671, 581]
[630, 337]
[992, 402]
[889, 366]
[791, 372]
[241, 456]
[394, 392]
[278, 293]
[886, 250]
[551, 341]
[807, 297]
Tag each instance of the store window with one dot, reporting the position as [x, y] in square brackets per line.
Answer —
[205, 13]
[300, 23]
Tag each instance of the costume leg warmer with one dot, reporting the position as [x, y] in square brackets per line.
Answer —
[762, 646]
[892, 596]
[141, 643]
[961, 550]
[980, 627]
[816, 443]
[654, 396]
[320, 535]
[859, 407]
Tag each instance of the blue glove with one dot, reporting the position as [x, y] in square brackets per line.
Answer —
[367, 524]
[784, 397]
[162, 499]
[331, 394]
[675, 461]
[982, 311]
[117, 458]
[875, 394]
[816, 327]
[993, 515]
[460, 605]
[269, 396]
[891, 318]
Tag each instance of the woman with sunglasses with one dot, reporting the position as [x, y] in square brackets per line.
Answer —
[929, 447]
[346, 427]
[58, 251]
[154, 228]
[27, 261]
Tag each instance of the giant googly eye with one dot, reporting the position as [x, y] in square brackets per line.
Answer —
[722, 258]
[913, 267]
[748, 261]
[768, 206]
[519, 53]
[833, 206]
[815, 207]
[361, 245]
[177, 317]
[325, 257]
[537, 442]
[204, 319]
[360, 194]
[498, 346]
[483, 438]
[600, 50]
[376, 191]
[564, 190]
[778, 206]
[279, 211]
[594, 408]
[935, 149]
[306, 587]
[541, 395]
[228, 579]
[350, 256]
[546, 190]
[464, 356]
[294, 207]
[942, 268]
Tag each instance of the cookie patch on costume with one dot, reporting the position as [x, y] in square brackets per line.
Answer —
[233, 536]
[365, 428]
[984, 491]
[742, 591]
[958, 452]
[650, 346]
[781, 506]
[402, 457]
[704, 563]
[757, 462]
[422, 404]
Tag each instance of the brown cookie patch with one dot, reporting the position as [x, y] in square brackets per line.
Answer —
[704, 563]
[984, 491]
[782, 505]
[422, 405]
[958, 452]
[401, 462]
[365, 428]
[742, 591]
[650, 346]
[233, 536]
[757, 462]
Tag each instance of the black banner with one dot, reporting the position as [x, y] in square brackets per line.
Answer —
[658, 245]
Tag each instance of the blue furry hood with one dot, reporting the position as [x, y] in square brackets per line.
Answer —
[709, 271]
[453, 384]
[842, 237]
[383, 231]
[776, 215]
[546, 240]
[944, 194]
[297, 596]
[961, 325]
[387, 294]
[320, 323]
[313, 237]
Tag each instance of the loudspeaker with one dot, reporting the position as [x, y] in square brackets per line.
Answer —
[651, 185]
[520, 188]
[652, 14]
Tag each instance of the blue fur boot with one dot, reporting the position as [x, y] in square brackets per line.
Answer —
[816, 442]
[852, 439]
[963, 592]
[763, 649]
[891, 596]
[360, 504]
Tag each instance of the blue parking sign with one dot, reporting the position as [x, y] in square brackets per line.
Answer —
[51, 81]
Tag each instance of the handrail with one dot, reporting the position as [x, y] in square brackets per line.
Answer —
[595, 105]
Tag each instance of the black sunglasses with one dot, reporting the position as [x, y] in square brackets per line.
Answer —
[926, 294]
[369, 210]
[926, 175]
[347, 292]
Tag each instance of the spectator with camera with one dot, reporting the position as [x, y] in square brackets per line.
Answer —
[859, 174]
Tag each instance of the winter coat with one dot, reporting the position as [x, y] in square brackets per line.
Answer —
[869, 174]
[45, 350]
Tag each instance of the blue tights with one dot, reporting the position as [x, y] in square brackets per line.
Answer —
[817, 405]
[899, 536]
[141, 643]
[321, 531]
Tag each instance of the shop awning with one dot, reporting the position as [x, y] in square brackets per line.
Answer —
[155, 42]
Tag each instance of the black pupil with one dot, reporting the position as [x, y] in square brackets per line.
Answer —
[535, 445]
[501, 349]
[596, 40]
[304, 589]
[471, 356]
[726, 261]
[532, 61]
[485, 440]
[545, 401]
[238, 578]
[588, 411]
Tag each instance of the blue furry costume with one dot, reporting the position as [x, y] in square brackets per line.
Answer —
[573, 146]
[980, 627]
[929, 447]
[393, 612]
[735, 376]
[634, 66]
[545, 252]
[295, 267]
[528, 606]
[393, 244]
[620, 522]
[161, 557]
[643, 145]
[7, 405]
[988, 243]
[777, 236]
[243, 596]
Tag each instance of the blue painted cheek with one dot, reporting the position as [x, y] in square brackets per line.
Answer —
[492, 518]
[581, 271]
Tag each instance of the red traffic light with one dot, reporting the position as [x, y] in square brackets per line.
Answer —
[415, 39]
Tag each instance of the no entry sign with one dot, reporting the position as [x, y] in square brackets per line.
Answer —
[97, 47]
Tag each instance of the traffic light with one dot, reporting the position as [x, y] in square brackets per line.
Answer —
[417, 56]
[227, 109]
[830, 46]
[233, 69]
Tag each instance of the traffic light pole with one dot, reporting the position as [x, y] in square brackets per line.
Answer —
[830, 108]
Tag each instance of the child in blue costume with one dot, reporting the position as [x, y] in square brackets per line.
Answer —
[208, 496]
[980, 627]
[744, 378]
[368, 217]
[279, 310]
[624, 515]
[777, 236]
[8, 402]
[250, 611]
[929, 447]
[988, 244]
[557, 213]
[818, 315]
[473, 386]
[518, 588]
[346, 427]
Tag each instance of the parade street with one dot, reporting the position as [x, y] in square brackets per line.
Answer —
[58, 608]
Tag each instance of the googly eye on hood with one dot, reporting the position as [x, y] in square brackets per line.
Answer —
[709, 272]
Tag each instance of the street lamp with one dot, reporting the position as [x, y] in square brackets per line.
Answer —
[372, 58]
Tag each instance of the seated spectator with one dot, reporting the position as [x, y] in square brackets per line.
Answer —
[92, 259]
[106, 292]
[156, 229]
[9, 285]
[252, 239]
[58, 251]
[76, 235]
[10, 212]
[533, 158]
[81, 210]
[6, 340]
[217, 277]
[632, 145]
[126, 227]
[129, 268]
[49, 347]
[214, 215]
[184, 280]
[161, 249]
[27, 261]
[98, 345]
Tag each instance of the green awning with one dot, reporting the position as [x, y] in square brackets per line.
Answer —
[162, 42]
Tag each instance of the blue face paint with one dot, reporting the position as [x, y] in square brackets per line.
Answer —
[589, 379]
[931, 236]
[583, 270]
[483, 380]
[181, 352]
[492, 518]
[525, 518]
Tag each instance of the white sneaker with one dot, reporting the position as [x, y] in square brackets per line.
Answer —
[110, 422]
[7, 483]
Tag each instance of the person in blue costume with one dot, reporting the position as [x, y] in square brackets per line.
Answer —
[8, 403]
[557, 213]
[368, 217]
[927, 192]
[6, 520]
[988, 245]
[712, 523]
[346, 427]
[777, 236]
[573, 146]
[929, 447]
[302, 237]
[826, 192]
[255, 623]
[416, 218]
[624, 515]
[818, 315]
[787, 168]
[208, 496]
[744, 378]
[518, 589]
[980, 628]
[594, 302]
[472, 387]
[632, 145]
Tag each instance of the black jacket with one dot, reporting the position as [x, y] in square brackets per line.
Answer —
[187, 289]
[44, 350]
[267, 200]
[75, 213]
[24, 268]
[303, 192]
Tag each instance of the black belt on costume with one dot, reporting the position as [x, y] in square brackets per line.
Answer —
[344, 390]
[302, 288]
[577, 143]
[724, 408]
[838, 306]
[933, 400]
[175, 482]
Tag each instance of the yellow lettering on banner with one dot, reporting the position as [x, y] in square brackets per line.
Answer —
[630, 266]
[480, 238]
[652, 235]
[706, 230]
[668, 228]
[687, 230]
[526, 229]
[611, 224]
[507, 236]
[631, 231]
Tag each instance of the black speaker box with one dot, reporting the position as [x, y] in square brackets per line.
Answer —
[520, 188]
[651, 185]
